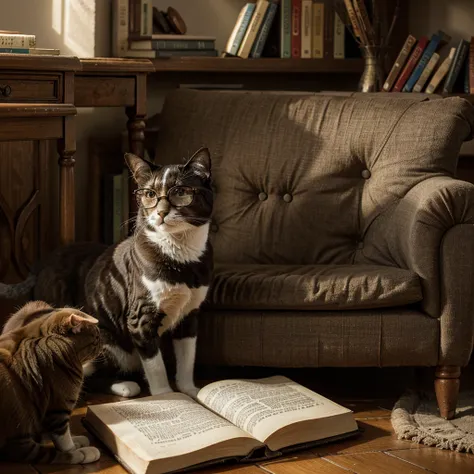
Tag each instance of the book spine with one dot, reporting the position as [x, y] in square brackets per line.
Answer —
[339, 37]
[399, 62]
[456, 66]
[425, 57]
[306, 27]
[296, 29]
[441, 72]
[285, 29]
[146, 24]
[466, 74]
[240, 27]
[410, 65]
[259, 43]
[318, 26]
[171, 45]
[134, 19]
[120, 28]
[471, 66]
[426, 73]
[17, 41]
[252, 30]
[328, 32]
[15, 50]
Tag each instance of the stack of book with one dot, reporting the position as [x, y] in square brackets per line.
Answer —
[142, 31]
[291, 29]
[14, 42]
[430, 65]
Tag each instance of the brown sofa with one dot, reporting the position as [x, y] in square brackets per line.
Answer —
[341, 236]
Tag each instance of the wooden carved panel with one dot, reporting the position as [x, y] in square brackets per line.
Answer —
[27, 200]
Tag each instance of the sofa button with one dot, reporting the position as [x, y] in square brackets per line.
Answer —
[366, 174]
[262, 196]
[360, 245]
[214, 228]
[287, 198]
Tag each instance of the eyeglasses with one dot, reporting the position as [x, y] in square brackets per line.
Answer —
[178, 196]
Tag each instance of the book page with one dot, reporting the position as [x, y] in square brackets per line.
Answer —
[261, 407]
[165, 425]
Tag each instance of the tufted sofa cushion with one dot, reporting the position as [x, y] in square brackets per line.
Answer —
[312, 287]
[300, 178]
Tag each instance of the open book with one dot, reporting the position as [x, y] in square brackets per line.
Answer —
[239, 419]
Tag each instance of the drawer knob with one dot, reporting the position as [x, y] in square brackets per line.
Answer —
[5, 90]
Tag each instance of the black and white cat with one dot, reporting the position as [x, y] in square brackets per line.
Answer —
[151, 283]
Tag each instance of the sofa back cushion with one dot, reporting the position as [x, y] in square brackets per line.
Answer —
[299, 177]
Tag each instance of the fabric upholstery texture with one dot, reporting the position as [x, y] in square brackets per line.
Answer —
[345, 183]
[369, 338]
[310, 287]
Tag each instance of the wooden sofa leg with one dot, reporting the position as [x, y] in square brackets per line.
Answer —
[447, 389]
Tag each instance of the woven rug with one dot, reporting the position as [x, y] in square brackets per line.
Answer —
[416, 417]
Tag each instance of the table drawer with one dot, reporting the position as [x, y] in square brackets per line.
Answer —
[29, 88]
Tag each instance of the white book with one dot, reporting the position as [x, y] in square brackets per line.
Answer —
[441, 72]
[306, 27]
[17, 41]
[425, 75]
[119, 28]
[339, 37]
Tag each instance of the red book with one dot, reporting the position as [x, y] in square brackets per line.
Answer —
[296, 28]
[471, 66]
[410, 65]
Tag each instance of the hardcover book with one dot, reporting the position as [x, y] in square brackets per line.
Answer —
[441, 72]
[437, 41]
[235, 420]
[240, 27]
[410, 65]
[456, 65]
[252, 30]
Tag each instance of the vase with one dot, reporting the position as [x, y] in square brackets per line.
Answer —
[373, 76]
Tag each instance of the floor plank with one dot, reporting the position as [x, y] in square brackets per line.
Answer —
[370, 463]
[437, 460]
[367, 408]
[302, 465]
[377, 436]
[232, 470]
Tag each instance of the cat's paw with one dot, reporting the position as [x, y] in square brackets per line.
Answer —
[189, 390]
[86, 455]
[125, 389]
[81, 441]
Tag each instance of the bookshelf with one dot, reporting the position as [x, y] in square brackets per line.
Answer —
[259, 66]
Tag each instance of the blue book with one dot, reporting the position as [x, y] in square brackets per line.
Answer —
[262, 35]
[433, 45]
[15, 50]
[238, 33]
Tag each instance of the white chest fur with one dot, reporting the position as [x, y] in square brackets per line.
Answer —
[175, 300]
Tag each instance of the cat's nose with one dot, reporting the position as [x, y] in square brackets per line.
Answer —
[162, 214]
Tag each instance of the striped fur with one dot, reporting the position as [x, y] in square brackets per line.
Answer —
[41, 355]
[151, 283]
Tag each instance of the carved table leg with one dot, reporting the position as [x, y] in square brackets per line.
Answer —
[447, 389]
[67, 214]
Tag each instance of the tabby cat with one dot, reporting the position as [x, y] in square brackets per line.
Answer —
[151, 283]
[41, 355]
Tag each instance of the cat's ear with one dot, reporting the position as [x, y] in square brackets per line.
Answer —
[77, 322]
[200, 163]
[141, 169]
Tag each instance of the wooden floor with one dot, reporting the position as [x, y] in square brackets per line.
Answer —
[376, 451]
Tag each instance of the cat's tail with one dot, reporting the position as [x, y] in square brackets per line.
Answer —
[16, 290]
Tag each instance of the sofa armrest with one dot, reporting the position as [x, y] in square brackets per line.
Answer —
[431, 232]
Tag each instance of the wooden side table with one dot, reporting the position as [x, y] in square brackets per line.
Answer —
[117, 82]
[36, 103]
